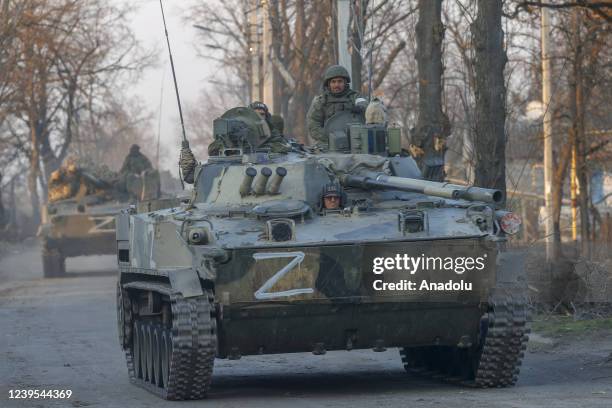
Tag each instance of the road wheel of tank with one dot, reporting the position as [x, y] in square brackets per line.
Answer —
[494, 359]
[136, 351]
[144, 352]
[124, 318]
[179, 365]
[166, 352]
[157, 355]
[151, 353]
[54, 263]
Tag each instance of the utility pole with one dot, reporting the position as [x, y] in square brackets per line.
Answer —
[344, 56]
[270, 79]
[264, 81]
[547, 127]
[256, 51]
[159, 118]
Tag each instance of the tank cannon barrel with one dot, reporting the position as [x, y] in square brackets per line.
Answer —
[95, 181]
[368, 180]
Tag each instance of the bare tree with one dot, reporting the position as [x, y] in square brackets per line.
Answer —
[433, 126]
[490, 112]
[303, 45]
[67, 53]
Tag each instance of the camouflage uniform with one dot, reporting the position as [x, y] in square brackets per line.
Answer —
[135, 162]
[276, 142]
[327, 104]
[134, 165]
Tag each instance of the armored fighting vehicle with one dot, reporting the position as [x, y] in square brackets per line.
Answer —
[79, 219]
[258, 263]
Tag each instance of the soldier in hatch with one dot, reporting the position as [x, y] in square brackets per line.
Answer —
[276, 142]
[332, 197]
[135, 162]
[337, 96]
[135, 173]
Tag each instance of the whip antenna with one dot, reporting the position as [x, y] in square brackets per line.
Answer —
[178, 99]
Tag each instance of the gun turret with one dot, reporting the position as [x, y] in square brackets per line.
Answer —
[371, 180]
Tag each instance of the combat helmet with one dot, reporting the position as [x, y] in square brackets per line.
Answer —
[333, 189]
[335, 71]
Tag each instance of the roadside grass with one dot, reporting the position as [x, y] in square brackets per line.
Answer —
[559, 326]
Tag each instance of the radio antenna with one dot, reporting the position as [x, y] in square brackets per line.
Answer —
[178, 99]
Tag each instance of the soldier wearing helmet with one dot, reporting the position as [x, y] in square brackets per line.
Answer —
[276, 142]
[337, 96]
[275, 122]
[332, 197]
[135, 162]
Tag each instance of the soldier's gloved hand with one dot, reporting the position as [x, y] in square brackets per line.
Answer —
[360, 105]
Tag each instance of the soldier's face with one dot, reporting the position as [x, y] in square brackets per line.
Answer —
[261, 112]
[336, 85]
[331, 202]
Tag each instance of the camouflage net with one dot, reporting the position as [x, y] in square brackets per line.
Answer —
[187, 163]
[99, 171]
[353, 163]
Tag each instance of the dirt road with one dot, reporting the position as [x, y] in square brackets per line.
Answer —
[61, 334]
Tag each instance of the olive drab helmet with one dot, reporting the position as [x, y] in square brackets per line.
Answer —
[262, 106]
[335, 71]
[335, 190]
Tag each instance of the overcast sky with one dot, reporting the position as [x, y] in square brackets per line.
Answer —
[191, 71]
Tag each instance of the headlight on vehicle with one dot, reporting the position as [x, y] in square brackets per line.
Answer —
[510, 223]
[198, 236]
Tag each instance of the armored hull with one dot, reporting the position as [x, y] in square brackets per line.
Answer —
[69, 229]
[254, 264]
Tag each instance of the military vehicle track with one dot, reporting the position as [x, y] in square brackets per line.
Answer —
[494, 362]
[174, 362]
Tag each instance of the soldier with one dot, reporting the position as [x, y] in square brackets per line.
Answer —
[276, 142]
[135, 162]
[337, 96]
[331, 197]
[135, 173]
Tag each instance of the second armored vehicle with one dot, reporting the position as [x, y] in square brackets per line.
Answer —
[79, 219]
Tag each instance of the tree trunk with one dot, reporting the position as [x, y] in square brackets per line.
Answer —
[557, 194]
[3, 213]
[490, 92]
[13, 227]
[356, 62]
[577, 116]
[433, 126]
[33, 188]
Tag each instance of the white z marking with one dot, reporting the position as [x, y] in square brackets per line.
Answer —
[102, 224]
[262, 293]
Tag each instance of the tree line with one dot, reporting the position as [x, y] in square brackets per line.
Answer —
[458, 75]
[62, 68]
